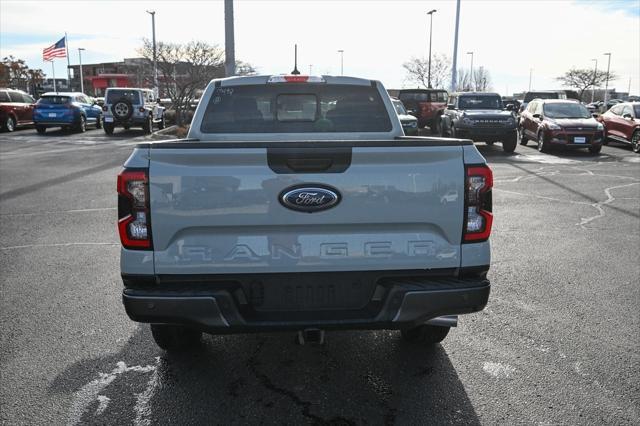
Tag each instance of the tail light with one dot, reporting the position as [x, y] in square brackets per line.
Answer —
[104, 108]
[477, 204]
[134, 224]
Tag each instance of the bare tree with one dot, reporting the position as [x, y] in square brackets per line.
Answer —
[16, 74]
[185, 69]
[244, 68]
[481, 80]
[583, 79]
[417, 70]
[464, 81]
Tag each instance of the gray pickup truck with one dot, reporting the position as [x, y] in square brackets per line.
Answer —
[297, 203]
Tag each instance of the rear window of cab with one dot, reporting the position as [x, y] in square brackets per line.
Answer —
[53, 100]
[295, 108]
[423, 96]
[115, 95]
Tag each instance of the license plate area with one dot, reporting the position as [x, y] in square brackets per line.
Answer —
[579, 139]
[302, 293]
[108, 119]
[52, 114]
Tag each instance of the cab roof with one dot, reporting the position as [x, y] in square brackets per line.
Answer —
[264, 79]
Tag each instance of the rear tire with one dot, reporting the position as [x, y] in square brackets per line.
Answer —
[174, 337]
[162, 123]
[108, 128]
[41, 130]
[425, 334]
[98, 122]
[10, 124]
[595, 150]
[148, 126]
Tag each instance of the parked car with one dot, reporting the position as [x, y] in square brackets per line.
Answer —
[99, 101]
[542, 94]
[68, 110]
[557, 122]
[131, 107]
[409, 122]
[16, 109]
[479, 116]
[427, 105]
[298, 204]
[622, 124]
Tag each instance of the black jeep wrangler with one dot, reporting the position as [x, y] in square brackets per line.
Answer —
[479, 116]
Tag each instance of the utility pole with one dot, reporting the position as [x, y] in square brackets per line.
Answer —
[595, 75]
[229, 42]
[454, 71]
[341, 52]
[80, 49]
[155, 53]
[471, 70]
[606, 84]
[430, 13]
[530, 77]
[310, 69]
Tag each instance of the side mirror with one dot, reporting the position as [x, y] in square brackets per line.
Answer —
[158, 100]
[538, 116]
[411, 112]
[451, 106]
[509, 107]
[627, 116]
[594, 115]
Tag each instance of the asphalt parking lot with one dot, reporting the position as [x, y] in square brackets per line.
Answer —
[557, 344]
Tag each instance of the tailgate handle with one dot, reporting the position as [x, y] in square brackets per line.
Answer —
[309, 160]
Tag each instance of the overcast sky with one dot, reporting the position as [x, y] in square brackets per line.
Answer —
[508, 37]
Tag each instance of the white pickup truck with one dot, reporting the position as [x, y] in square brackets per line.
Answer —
[297, 203]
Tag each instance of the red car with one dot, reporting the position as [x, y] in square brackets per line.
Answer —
[427, 105]
[557, 122]
[622, 124]
[16, 109]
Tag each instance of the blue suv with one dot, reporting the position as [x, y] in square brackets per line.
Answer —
[67, 110]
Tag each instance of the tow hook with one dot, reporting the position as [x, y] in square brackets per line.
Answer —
[311, 335]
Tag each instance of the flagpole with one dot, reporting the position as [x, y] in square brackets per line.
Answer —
[66, 44]
[53, 70]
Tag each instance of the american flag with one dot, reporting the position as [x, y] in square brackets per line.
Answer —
[57, 50]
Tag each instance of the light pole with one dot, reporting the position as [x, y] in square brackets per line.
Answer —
[606, 83]
[430, 13]
[80, 49]
[155, 58]
[454, 69]
[471, 73]
[341, 52]
[310, 69]
[595, 75]
[530, 77]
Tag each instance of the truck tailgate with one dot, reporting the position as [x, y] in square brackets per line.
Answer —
[217, 210]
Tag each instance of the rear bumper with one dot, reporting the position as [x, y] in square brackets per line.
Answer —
[131, 121]
[499, 134]
[402, 302]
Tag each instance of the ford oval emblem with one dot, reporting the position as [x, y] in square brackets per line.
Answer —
[310, 198]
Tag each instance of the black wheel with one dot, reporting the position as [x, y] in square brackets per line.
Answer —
[426, 334]
[433, 126]
[82, 124]
[441, 131]
[108, 128]
[162, 123]
[523, 138]
[10, 124]
[421, 126]
[595, 149]
[98, 121]
[510, 143]
[542, 147]
[148, 126]
[635, 142]
[174, 337]
[122, 109]
[452, 132]
[41, 130]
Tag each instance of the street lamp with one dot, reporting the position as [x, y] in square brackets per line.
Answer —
[80, 49]
[595, 75]
[155, 58]
[430, 13]
[471, 73]
[606, 84]
[530, 77]
[341, 52]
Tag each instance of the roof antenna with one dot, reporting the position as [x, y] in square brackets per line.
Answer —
[295, 63]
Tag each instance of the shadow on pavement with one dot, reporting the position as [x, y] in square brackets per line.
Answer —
[355, 378]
